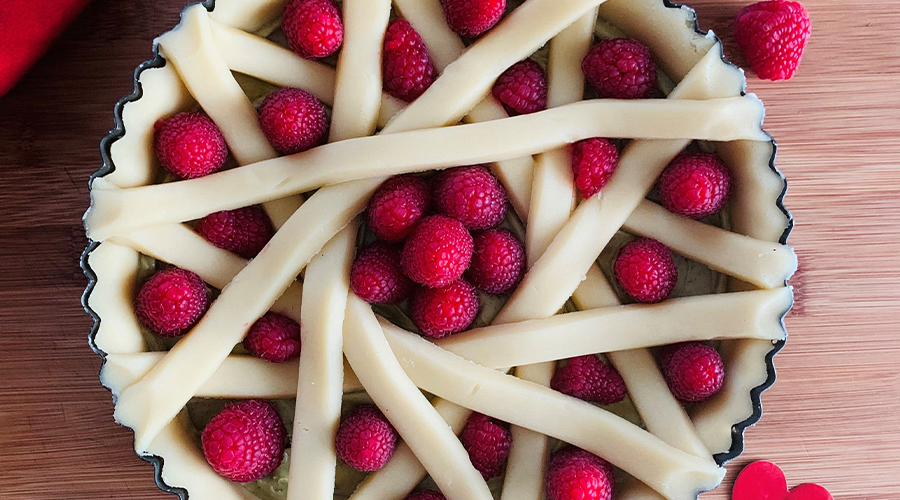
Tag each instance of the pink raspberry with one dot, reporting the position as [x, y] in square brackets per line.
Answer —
[171, 302]
[575, 474]
[594, 161]
[293, 120]
[245, 441]
[437, 252]
[443, 311]
[498, 261]
[189, 145]
[313, 28]
[589, 379]
[397, 206]
[620, 68]
[244, 231]
[695, 185]
[487, 440]
[772, 35]
[406, 67]
[522, 88]
[646, 270]
[425, 495]
[274, 337]
[376, 276]
[471, 18]
[365, 439]
[693, 370]
[471, 195]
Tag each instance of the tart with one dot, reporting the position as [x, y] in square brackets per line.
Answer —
[225, 60]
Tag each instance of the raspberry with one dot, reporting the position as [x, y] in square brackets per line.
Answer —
[575, 474]
[498, 261]
[425, 495]
[244, 231]
[487, 440]
[646, 270]
[439, 312]
[695, 185]
[620, 68]
[594, 161]
[406, 67]
[189, 145]
[293, 120]
[471, 195]
[437, 252]
[588, 378]
[245, 441]
[471, 18]
[376, 276]
[274, 337]
[365, 439]
[313, 27]
[522, 88]
[773, 35]
[397, 205]
[693, 370]
[171, 302]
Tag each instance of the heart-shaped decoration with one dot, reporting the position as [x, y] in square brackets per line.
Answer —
[765, 481]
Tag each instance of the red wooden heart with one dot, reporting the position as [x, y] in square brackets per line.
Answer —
[765, 481]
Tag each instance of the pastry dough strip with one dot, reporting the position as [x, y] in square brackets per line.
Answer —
[415, 419]
[672, 472]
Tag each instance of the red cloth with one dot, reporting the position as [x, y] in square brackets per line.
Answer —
[27, 29]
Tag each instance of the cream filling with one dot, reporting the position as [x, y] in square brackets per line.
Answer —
[559, 271]
[418, 423]
[238, 377]
[116, 211]
[762, 263]
[321, 370]
[672, 472]
[737, 315]
[468, 79]
[112, 298]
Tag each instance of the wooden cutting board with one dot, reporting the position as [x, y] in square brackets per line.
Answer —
[833, 417]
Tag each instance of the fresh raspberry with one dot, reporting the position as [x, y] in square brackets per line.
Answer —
[244, 231]
[365, 439]
[773, 35]
[575, 474]
[245, 441]
[646, 270]
[620, 68]
[695, 185]
[487, 440]
[471, 18]
[293, 120]
[522, 88]
[425, 495]
[376, 276]
[594, 161]
[498, 261]
[437, 252]
[313, 28]
[189, 145]
[171, 302]
[471, 195]
[693, 370]
[588, 378]
[406, 68]
[274, 337]
[443, 311]
[397, 205]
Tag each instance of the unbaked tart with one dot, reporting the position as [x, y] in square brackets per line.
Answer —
[224, 58]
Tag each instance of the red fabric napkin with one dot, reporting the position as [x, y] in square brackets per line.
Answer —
[27, 29]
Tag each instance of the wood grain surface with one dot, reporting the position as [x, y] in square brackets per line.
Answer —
[833, 417]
